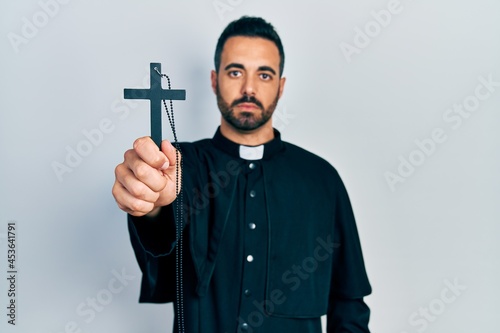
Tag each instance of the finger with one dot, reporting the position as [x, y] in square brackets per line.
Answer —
[143, 185]
[129, 203]
[170, 152]
[148, 151]
[150, 176]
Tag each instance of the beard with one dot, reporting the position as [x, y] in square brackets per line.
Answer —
[245, 121]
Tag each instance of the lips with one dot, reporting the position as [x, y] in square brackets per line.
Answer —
[248, 103]
[248, 106]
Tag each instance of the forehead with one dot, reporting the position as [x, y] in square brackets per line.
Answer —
[250, 50]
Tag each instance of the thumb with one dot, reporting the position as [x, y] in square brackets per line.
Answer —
[170, 152]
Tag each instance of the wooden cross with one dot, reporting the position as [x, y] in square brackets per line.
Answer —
[155, 94]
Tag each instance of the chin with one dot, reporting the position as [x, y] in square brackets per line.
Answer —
[250, 125]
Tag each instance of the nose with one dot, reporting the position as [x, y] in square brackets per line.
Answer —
[249, 87]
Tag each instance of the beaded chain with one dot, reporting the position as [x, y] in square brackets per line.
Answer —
[178, 215]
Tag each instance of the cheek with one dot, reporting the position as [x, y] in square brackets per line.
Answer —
[270, 95]
[229, 90]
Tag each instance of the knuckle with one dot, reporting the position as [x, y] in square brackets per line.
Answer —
[139, 192]
[122, 207]
[140, 142]
[142, 171]
[118, 170]
[159, 185]
[158, 160]
[114, 191]
[140, 206]
[128, 154]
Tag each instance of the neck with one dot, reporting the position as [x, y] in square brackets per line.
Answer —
[255, 137]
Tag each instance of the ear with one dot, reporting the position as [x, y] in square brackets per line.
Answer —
[213, 79]
[282, 86]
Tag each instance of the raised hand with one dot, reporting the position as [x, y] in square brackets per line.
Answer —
[146, 180]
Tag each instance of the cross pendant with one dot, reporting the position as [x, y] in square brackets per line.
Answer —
[155, 94]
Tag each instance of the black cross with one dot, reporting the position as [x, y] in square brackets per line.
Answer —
[155, 94]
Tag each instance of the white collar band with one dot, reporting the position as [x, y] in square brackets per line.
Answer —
[251, 153]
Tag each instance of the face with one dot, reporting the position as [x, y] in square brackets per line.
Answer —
[247, 84]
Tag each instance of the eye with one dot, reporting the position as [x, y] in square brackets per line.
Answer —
[265, 76]
[234, 73]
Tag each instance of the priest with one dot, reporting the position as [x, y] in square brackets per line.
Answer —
[269, 241]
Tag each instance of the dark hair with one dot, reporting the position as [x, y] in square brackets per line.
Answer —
[249, 27]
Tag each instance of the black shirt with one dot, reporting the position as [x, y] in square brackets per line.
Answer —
[270, 245]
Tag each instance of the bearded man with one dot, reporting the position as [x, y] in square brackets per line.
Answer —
[269, 242]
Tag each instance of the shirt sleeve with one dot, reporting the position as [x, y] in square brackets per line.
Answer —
[347, 312]
[155, 236]
[348, 316]
[153, 241]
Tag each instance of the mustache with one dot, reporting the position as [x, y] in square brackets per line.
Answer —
[248, 99]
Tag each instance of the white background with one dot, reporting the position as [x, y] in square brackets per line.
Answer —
[362, 112]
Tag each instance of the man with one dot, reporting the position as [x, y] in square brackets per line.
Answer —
[270, 242]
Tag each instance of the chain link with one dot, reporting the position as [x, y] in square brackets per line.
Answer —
[179, 216]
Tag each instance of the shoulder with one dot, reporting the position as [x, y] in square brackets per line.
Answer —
[195, 144]
[308, 160]
[306, 168]
[195, 147]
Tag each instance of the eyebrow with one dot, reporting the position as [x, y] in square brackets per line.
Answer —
[240, 66]
[234, 65]
[267, 69]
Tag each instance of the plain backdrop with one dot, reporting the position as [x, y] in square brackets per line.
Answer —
[402, 97]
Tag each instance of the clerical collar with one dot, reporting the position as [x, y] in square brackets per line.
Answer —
[250, 153]
[265, 151]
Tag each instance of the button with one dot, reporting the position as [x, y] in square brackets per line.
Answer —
[252, 166]
[250, 258]
[244, 327]
[252, 226]
[252, 194]
[247, 292]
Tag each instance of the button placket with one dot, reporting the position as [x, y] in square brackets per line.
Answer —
[255, 252]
